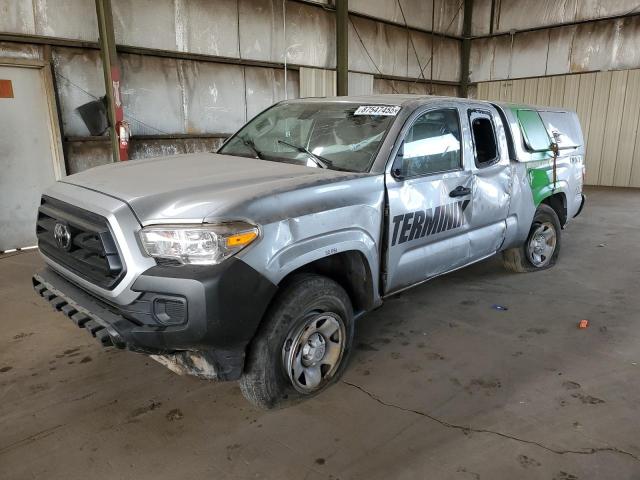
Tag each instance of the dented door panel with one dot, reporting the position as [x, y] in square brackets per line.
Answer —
[489, 209]
[491, 194]
[427, 228]
[521, 208]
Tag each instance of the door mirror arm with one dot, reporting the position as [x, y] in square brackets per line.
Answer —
[397, 171]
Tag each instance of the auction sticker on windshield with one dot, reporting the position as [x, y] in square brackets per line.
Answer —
[386, 110]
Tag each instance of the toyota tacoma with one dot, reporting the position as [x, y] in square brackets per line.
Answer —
[254, 263]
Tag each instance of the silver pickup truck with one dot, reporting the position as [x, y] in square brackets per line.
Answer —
[253, 263]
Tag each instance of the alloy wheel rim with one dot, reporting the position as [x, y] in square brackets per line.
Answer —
[312, 353]
[542, 244]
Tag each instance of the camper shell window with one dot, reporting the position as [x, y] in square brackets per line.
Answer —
[536, 137]
[564, 128]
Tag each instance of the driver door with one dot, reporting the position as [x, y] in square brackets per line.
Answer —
[429, 191]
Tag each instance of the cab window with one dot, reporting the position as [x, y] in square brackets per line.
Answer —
[484, 138]
[432, 144]
[334, 135]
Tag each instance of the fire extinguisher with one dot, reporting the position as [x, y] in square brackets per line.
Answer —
[124, 132]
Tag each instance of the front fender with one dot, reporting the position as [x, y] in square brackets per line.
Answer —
[309, 250]
[289, 244]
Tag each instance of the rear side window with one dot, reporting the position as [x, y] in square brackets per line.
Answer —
[484, 139]
[535, 134]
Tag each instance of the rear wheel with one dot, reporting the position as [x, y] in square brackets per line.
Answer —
[303, 344]
[541, 249]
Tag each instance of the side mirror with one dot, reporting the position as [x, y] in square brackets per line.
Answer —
[398, 164]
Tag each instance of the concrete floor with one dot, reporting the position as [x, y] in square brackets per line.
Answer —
[441, 385]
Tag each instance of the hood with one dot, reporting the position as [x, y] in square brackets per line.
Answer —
[198, 186]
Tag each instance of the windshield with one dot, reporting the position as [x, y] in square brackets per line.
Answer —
[339, 136]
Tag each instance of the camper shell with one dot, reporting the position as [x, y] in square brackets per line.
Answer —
[549, 142]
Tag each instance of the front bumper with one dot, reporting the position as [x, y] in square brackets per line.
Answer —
[223, 306]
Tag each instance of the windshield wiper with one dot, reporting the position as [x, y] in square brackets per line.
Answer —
[317, 159]
[249, 143]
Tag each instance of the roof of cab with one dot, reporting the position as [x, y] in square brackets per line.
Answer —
[405, 98]
[384, 99]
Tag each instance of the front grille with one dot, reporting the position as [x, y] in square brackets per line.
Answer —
[91, 252]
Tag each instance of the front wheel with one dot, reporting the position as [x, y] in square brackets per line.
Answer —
[541, 249]
[303, 344]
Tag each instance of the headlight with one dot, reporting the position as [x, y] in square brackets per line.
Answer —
[197, 244]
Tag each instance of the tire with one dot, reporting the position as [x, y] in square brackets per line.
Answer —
[295, 355]
[533, 255]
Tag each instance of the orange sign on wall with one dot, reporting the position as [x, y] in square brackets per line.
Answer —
[6, 89]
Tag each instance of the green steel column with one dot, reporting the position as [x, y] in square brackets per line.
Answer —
[111, 71]
[466, 48]
[342, 46]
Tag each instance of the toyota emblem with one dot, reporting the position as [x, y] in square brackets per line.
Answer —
[62, 235]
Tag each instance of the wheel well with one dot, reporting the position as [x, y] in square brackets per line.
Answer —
[350, 270]
[558, 202]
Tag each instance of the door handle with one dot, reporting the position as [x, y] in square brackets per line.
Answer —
[459, 191]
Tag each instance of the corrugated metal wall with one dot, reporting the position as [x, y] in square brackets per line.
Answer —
[510, 15]
[608, 104]
[598, 45]
[381, 85]
[317, 82]
[176, 103]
